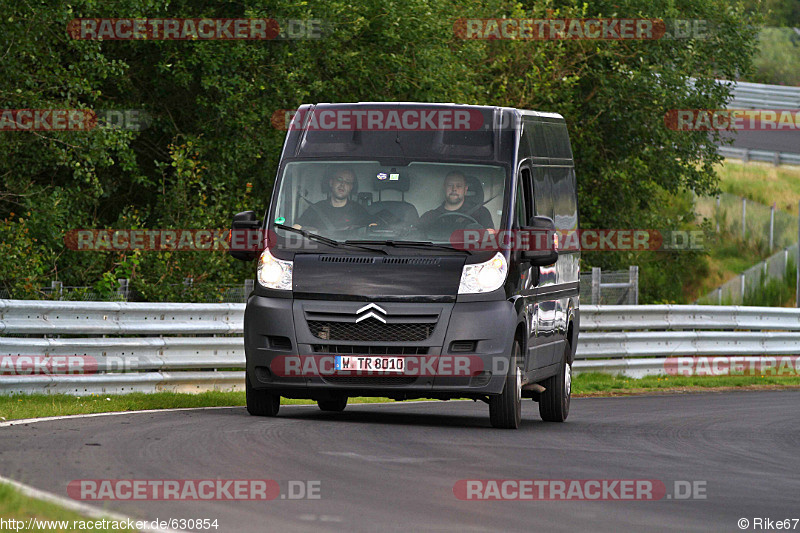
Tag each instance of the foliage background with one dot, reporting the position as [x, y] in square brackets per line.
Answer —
[211, 150]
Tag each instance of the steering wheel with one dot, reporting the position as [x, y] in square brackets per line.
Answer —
[457, 214]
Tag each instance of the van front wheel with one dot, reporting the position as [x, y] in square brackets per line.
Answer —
[505, 409]
[554, 401]
[260, 402]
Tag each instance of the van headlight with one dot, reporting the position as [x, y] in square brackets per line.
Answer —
[484, 277]
[274, 273]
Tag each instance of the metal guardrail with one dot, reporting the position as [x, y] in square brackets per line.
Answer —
[686, 317]
[745, 154]
[641, 340]
[761, 96]
[34, 317]
[148, 382]
[632, 339]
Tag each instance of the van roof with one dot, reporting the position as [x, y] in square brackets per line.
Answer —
[526, 112]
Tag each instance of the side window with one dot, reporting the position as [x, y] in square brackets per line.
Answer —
[525, 142]
[543, 191]
[523, 206]
[557, 141]
[536, 138]
[564, 206]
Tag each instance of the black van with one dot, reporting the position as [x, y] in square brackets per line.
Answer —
[392, 263]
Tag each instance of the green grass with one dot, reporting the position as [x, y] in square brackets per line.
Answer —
[14, 505]
[728, 254]
[590, 383]
[774, 292]
[43, 405]
[763, 183]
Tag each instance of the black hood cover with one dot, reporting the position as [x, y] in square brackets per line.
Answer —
[368, 277]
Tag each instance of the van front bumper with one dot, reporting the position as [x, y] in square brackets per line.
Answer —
[477, 334]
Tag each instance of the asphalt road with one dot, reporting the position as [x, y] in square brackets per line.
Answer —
[770, 141]
[393, 467]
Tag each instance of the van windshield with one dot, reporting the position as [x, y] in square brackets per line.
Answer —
[364, 200]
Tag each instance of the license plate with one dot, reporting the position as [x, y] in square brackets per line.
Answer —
[369, 363]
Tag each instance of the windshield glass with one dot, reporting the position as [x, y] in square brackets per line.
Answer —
[364, 200]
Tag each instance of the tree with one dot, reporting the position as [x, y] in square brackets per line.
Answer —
[211, 150]
[614, 96]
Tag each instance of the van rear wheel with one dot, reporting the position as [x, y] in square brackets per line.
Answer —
[261, 402]
[505, 409]
[554, 401]
[335, 405]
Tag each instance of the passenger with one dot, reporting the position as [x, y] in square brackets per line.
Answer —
[337, 212]
[455, 201]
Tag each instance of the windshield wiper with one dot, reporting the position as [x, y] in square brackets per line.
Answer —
[326, 240]
[411, 244]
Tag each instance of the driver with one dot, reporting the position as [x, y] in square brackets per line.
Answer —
[336, 212]
[455, 194]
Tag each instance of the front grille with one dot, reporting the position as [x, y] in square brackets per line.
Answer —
[411, 260]
[370, 330]
[372, 381]
[346, 259]
[349, 349]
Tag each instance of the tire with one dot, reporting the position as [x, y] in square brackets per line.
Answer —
[554, 401]
[261, 402]
[505, 409]
[335, 405]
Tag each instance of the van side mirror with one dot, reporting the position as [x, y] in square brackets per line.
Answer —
[544, 245]
[245, 242]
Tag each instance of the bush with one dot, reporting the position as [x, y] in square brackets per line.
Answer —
[778, 58]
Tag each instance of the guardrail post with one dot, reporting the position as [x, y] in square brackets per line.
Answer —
[785, 261]
[744, 218]
[746, 155]
[633, 292]
[771, 225]
[56, 287]
[249, 286]
[742, 300]
[719, 295]
[776, 159]
[122, 290]
[595, 285]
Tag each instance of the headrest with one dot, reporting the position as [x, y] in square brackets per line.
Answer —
[474, 190]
